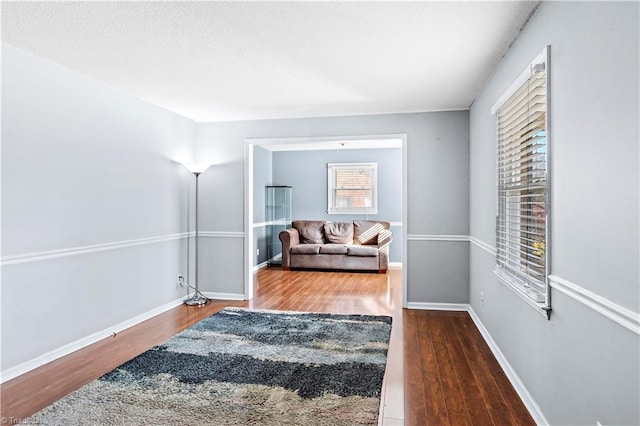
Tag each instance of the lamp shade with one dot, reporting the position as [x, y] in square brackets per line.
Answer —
[196, 167]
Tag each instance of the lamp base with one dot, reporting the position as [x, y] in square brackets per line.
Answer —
[198, 299]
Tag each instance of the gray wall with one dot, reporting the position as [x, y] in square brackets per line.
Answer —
[306, 171]
[580, 367]
[262, 176]
[85, 165]
[437, 187]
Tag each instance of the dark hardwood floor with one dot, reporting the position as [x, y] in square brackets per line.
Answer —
[440, 370]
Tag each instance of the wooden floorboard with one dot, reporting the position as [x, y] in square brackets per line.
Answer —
[469, 387]
[509, 396]
[431, 327]
[417, 393]
[436, 412]
[440, 370]
[481, 370]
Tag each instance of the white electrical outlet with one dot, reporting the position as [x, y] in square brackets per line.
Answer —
[257, 252]
[482, 298]
[180, 280]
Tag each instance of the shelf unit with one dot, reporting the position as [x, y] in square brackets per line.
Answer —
[278, 213]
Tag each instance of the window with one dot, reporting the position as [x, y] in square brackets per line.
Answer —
[522, 226]
[352, 188]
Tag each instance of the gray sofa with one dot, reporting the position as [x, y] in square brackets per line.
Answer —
[359, 245]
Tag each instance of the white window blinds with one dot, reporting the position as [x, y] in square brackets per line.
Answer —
[352, 188]
[522, 231]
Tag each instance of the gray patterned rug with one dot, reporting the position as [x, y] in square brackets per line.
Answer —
[243, 367]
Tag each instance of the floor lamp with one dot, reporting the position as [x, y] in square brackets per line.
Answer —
[198, 299]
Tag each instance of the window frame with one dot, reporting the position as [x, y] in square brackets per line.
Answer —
[505, 276]
[332, 208]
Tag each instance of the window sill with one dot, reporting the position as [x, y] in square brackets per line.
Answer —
[539, 307]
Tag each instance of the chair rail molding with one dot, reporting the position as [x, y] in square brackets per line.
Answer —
[463, 238]
[421, 237]
[621, 315]
[484, 246]
[75, 251]
[116, 245]
[219, 234]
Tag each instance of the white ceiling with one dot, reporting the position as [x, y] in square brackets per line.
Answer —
[214, 61]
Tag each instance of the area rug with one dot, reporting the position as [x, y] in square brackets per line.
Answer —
[243, 367]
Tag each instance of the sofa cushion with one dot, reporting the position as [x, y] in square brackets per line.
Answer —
[311, 231]
[306, 249]
[366, 231]
[339, 232]
[333, 249]
[362, 251]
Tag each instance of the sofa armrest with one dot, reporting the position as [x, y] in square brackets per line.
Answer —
[384, 241]
[289, 238]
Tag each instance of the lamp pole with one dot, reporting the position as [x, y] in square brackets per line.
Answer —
[198, 299]
[197, 229]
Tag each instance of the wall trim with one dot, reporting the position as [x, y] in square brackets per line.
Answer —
[85, 341]
[260, 266]
[75, 251]
[484, 246]
[418, 237]
[438, 306]
[525, 396]
[621, 315]
[395, 264]
[219, 234]
[95, 248]
[50, 356]
[224, 296]
[271, 222]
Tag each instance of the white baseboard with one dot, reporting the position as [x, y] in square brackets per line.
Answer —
[439, 306]
[84, 342]
[260, 266]
[520, 388]
[224, 296]
[395, 264]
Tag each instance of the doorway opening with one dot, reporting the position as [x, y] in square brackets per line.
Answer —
[316, 144]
